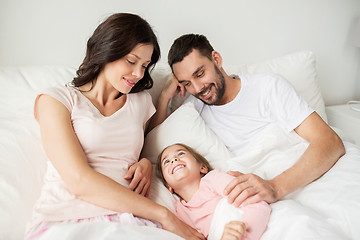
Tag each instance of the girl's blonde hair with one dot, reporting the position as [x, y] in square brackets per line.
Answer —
[199, 158]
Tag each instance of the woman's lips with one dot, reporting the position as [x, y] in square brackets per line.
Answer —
[129, 82]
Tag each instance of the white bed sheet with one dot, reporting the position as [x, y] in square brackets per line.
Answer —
[328, 208]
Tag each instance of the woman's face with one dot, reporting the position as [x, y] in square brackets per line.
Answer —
[124, 73]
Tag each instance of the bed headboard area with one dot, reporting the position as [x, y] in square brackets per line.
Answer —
[244, 32]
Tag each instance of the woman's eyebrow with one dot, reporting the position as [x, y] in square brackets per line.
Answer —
[138, 57]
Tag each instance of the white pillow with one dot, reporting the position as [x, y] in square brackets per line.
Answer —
[159, 75]
[22, 160]
[298, 68]
[186, 126]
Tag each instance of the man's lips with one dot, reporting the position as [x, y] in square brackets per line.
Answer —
[205, 94]
[177, 167]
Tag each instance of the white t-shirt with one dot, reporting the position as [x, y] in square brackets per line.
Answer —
[111, 144]
[262, 99]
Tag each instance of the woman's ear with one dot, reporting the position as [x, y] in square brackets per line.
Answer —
[171, 189]
[217, 58]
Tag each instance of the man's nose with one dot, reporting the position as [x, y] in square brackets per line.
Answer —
[198, 86]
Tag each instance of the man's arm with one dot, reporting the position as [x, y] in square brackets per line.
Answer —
[171, 89]
[325, 148]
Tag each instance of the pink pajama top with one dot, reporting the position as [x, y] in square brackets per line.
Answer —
[111, 144]
[199, 210]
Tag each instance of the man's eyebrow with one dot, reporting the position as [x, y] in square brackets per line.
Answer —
[198, 70]
[194, 73]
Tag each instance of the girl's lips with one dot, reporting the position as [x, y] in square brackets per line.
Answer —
[177, 167]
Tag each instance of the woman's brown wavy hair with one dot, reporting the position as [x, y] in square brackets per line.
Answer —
[113, 39]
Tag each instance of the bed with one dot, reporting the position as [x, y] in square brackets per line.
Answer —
[328, 208]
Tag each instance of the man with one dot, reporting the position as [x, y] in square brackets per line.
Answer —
[237, 109]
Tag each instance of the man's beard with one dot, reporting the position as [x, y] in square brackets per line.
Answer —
[219, 89]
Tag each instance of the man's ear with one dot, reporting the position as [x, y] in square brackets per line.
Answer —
[217, 58]
[203, 169]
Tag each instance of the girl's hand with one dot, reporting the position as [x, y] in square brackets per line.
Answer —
[234, 230]
[175, 225]
[140, 174]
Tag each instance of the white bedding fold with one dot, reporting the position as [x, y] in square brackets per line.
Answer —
[328, 208]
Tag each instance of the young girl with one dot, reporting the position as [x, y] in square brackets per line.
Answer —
[202, 203]
[93, 131]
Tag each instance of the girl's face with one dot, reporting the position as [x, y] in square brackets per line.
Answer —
[124, 73]
[179, 166]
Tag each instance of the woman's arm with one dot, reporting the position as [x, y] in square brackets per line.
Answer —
[66, 154]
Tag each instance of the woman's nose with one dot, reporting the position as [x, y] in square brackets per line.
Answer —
[137, 72]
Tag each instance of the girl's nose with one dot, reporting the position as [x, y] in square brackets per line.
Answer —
[174, 159]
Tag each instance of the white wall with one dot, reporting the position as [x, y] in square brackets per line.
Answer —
[48, 32]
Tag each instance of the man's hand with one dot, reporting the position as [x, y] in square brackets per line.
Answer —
[172, 87]
[234, 230]
[140, 174]
[249, 188]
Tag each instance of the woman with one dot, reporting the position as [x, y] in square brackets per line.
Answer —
[93, 132]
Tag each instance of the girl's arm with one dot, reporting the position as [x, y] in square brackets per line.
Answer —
[66, 154]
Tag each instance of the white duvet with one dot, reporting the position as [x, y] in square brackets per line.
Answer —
[328, 208]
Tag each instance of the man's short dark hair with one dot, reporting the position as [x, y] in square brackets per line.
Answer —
[185, 44]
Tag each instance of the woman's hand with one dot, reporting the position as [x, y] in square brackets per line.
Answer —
[175, 225]
[234, 230]
[140, 174]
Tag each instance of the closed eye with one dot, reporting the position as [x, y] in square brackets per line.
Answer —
[200, 74]
[185, 83]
